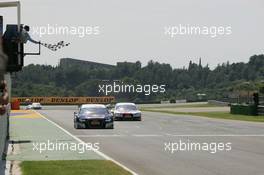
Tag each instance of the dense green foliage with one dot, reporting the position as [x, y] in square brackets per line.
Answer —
[181, 83]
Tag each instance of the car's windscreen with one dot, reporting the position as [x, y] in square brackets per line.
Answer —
[126, 107]
[94, 111]
[35, 104]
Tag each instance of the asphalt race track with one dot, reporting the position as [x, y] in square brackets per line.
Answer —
[141, 145]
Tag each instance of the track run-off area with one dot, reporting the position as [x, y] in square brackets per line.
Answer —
[150, 146]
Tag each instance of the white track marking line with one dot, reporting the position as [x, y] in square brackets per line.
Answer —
[96, 151]
[147, 135]
[216, 135]
[98, 135]
[165, 135]
[133, 135]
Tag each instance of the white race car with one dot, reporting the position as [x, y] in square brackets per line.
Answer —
[34, 106]
[126, 111]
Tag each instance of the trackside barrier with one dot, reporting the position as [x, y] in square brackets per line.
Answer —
[4, 132]
[244, 109]
[64, 100]
[218, 103]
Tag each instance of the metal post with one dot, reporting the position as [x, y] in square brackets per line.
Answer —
[18, 28]
[1, 26]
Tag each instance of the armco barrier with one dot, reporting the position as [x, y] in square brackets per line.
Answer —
[64, 100]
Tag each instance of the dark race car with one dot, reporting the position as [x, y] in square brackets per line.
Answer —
[93, 116]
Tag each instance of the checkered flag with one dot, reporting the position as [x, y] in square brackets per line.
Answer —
[55, 47]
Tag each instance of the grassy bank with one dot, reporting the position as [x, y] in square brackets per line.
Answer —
[180, 106]
[219, 115]
[72, 167]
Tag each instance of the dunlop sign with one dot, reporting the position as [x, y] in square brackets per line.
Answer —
[65, 100]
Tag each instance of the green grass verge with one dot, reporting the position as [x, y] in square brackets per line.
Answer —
[72, 167]
[218, 115]
[181, 106]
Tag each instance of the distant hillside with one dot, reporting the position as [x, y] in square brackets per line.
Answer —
[81, 78]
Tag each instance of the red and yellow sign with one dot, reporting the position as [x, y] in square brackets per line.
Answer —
[65, 100]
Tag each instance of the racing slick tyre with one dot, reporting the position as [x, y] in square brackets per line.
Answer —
[76, 125]
[138, 119]
[111, 127]
[117, 119]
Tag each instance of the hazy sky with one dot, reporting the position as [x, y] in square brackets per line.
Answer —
[133, 30]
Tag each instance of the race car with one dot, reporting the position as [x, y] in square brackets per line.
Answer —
[34, 106]
[93, 116]
[126, 111]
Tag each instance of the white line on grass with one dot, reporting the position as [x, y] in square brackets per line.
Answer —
[96, 151]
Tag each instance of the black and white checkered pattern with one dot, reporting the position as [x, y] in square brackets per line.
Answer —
[55, 47]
